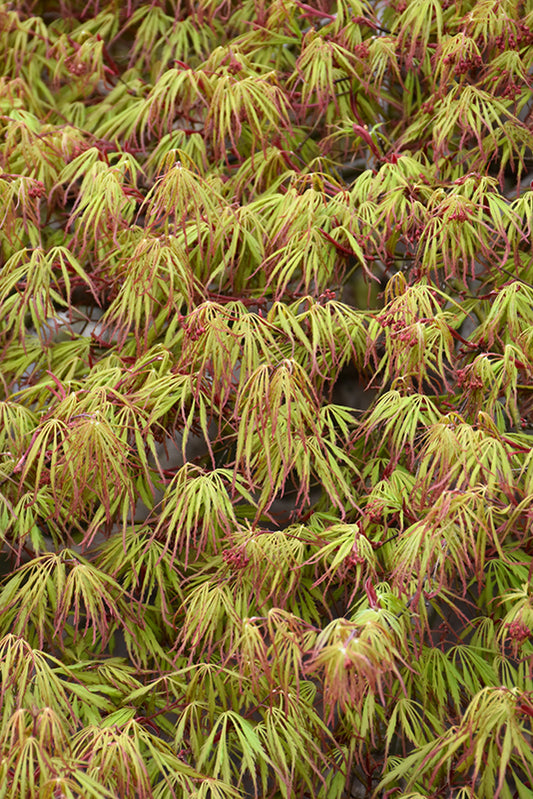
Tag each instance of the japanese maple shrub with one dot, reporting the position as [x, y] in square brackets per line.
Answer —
[226, 573]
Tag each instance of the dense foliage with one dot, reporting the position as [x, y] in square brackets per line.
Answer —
[221, 580]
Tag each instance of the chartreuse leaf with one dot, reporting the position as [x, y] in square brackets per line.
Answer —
[62, 591]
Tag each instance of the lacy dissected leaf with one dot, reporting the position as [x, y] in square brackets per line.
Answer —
[356, 656]
[197, 512]
[63, 591]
